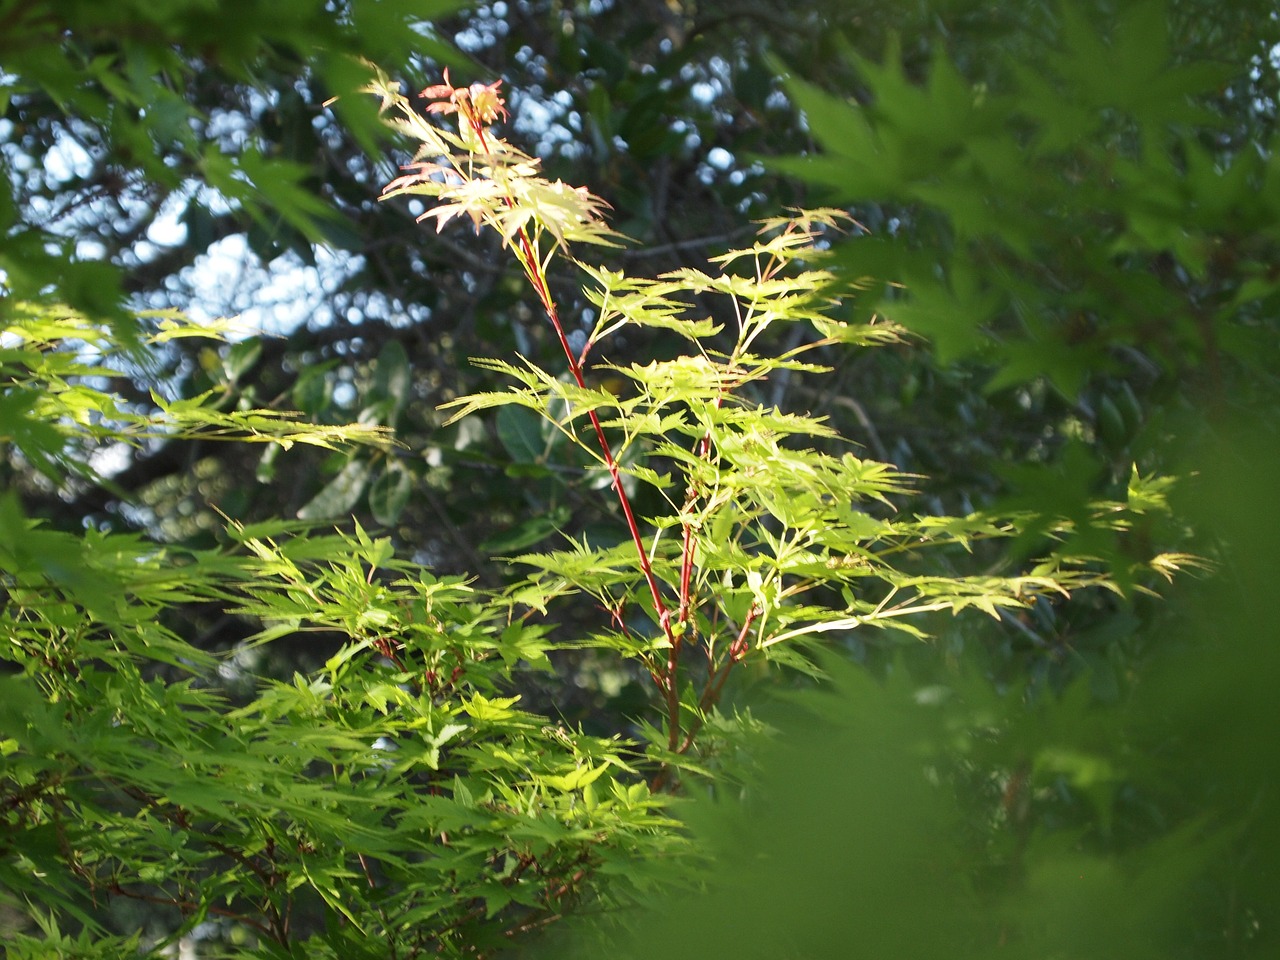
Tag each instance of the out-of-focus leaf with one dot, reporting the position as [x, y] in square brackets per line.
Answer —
[389, 494]
[393, 378]
[340, 494]
[241, 357]
[527, 532]
[520, 432]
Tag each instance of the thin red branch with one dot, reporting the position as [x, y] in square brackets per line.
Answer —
[533, 270]
[675, 631]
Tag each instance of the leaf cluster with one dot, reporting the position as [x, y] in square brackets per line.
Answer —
[762, 540]
[397, 796]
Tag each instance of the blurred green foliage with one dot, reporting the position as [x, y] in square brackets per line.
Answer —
[930, 813]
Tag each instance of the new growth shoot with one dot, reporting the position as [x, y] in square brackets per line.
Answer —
[478, 174]
[770, 543]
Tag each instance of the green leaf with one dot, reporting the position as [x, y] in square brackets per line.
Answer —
[313, 390]
[393, 379]
[340, 494]
[527, 532]
[241, 358]
[521, 433]
[390, 492]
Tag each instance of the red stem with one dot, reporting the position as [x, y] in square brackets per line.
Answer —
[532, 271]
[664, 615]
[668, 681]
